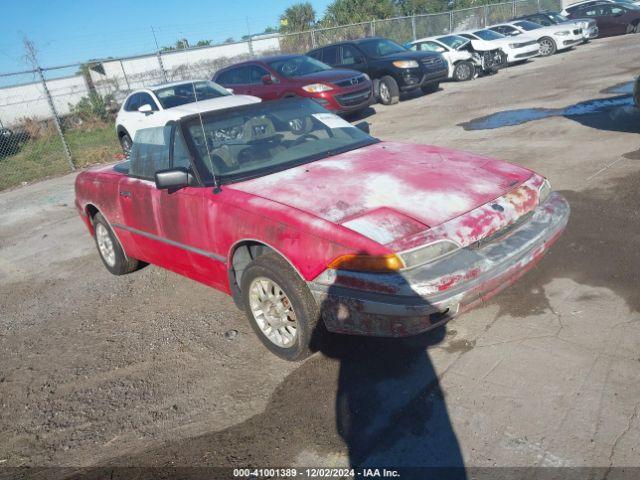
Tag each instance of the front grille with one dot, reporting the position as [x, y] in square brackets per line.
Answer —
[526, 44]
[432, 62]
[502, 232]
[350, 81]
[353, 98]
[577, 31]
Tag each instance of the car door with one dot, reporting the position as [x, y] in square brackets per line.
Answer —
[330, 55]
[601, 15]
[620, 18]
[236, 78]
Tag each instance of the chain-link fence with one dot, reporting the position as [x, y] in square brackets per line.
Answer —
[55, 119]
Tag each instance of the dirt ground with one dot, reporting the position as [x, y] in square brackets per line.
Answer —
[154, 369]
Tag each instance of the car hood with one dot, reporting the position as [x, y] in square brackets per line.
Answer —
[408, 55]
[505, 42]
[423, 184]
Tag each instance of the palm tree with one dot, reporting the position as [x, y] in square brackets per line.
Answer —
[298, 18]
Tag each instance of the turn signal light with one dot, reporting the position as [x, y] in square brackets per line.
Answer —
[368, 263]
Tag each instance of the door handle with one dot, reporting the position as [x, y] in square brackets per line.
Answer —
[125, 193]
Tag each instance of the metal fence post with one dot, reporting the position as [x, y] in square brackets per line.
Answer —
[56, 118]
[513, 8]
[538, 5]
[413, 27]
[373, 28]
[124, 74]
[164, 72]
[450, 21]
[314, 43]
[250, 45]
[486, 15]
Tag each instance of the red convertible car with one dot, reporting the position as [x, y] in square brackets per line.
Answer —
[302, 217]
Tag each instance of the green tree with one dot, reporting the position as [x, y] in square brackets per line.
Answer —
[344, 12]
[410, 7]
[298, 18]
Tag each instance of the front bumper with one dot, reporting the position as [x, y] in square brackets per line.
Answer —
[412, 78]
[569, 42]
[522, 53]
[590, 33]
[422, 298]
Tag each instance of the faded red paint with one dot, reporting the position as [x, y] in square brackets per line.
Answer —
[380, 199]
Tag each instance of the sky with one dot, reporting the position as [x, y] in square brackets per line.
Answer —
[73, 31]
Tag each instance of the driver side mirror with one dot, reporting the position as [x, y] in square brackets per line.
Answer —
[173, 179]
[146, 109]
[267, 79]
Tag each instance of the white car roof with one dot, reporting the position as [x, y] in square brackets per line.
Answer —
[173, 84]
[219, 103]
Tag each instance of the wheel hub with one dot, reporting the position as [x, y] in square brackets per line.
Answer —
[273, 312]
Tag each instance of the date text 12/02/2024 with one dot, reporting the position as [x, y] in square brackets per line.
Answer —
[315, 473]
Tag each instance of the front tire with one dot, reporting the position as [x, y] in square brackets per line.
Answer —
[388, 90]
[126, 143]
[280, 308]
[463, 71]
[110, 250]
[547, 46]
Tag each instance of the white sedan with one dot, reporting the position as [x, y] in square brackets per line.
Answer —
[550, 38]
[465, 58]
[155, 106]
[518, 50]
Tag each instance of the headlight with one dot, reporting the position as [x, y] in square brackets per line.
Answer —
[428, 253]
[368, 263]
[513, 45]
[405, 64]
[563, 33]
[317, 88]
[544, 192]
[366, 77]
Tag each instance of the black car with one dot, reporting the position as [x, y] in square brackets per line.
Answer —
[546, 18]
[392, 68]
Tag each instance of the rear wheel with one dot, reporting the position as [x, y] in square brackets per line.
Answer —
[464, 71]
[110, 250]
[280, 307]
[547, 46]
[125, 143]
[388, 91]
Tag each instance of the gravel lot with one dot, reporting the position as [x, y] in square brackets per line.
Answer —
[154, 369]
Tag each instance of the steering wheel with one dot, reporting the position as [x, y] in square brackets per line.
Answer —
[304, 138]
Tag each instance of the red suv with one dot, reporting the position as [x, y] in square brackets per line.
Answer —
[338, 90]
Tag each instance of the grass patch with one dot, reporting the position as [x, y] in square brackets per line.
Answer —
[45, 157]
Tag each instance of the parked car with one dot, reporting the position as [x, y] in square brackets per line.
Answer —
[589, 3]
[520, 50]
[551, 38]
[155, 106]
[612, 18]
[465, 58]
[545, 18]
[299, 215]
[392, 68]
[270, 78]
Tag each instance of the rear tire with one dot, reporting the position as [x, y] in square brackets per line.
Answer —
[110, 250]
[464, 71]
[547, 46]
[280, 308]
[388, 91]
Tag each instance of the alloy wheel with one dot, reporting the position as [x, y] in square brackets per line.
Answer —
[273, 312]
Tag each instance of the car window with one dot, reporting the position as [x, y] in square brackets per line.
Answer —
[453, 41]
[132, 103]
[181, 156]
[350, 55]
[380, 47]
[431, 47]
[150, 152]
[146, 99]
[505, 30]
[486, 34]
[317, 54]
[542, 20]
[527, 25]
[234, 76]
[616, 10]
[330, 55]
[188, 92]
[256, 73]
[298, 66]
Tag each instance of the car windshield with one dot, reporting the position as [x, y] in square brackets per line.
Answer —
[298, 66]
[488, 35]
[453, 41]
[527, 25]
[259, 139]
[189, 92]
[381, 47]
